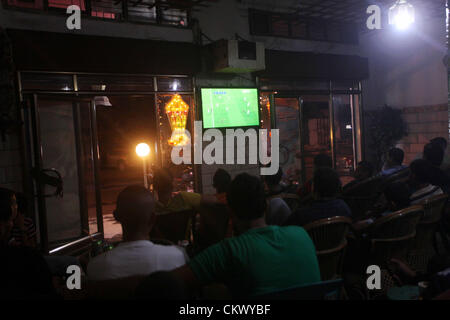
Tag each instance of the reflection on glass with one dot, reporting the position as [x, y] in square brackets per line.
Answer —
[183, 174]
[128, 121]
[343, 134]
[316, 130]
[58, 138]
[287, 117]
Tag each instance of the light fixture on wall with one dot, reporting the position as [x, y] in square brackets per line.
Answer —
[402, 14]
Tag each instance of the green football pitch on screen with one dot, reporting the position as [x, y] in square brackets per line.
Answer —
[229, 108]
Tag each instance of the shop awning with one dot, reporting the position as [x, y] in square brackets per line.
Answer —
[47, 51]
[289, 64]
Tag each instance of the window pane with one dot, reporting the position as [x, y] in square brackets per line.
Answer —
[36, 81]
[106, 9]
[343, 134]
[63, 4]
[33, 4]
[114, 83]
[142, 11]
[183, 175]
[174, 84]
[287, 114]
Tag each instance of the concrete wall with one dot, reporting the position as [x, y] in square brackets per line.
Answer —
[226, 18]
[15, 19]
[408, 71]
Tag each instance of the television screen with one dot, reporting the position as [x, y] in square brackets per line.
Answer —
[229, 108]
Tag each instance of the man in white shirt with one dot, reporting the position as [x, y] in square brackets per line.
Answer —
[136, 255]
[420, 181]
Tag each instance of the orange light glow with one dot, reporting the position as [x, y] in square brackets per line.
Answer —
[177, 112]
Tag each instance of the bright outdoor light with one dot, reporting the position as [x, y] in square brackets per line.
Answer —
[142, 150]
[402, 14]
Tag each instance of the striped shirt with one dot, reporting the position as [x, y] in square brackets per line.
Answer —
[30, 231]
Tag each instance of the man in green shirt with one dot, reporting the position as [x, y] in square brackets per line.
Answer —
[260, 259]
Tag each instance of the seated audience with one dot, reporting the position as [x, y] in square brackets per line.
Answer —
[420, 181]
[393, 163]
[434, 153]
[136, 255]
[397, 195]
[260, 259]
[326, 187]
[364, 170]
[320, 161]
[163, 186]
[277, 209]
[24, 274]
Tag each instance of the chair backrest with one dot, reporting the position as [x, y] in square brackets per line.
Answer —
[365, 188]
[328, 233]
[173, 226]
[397, 224]
[433, 208]
[292, 200]
[325, 290]
[383, 250]
[427, 226]
[401, 175]
[363, 196]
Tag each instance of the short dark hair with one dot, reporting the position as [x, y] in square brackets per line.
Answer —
[221, 180]
[136, 199]
[323, 160]
[163, 180]
[398, 193]
[421, 169]
[246, 197]
[440, 141]
[161, 285]
[326, 182]
[6, 196]
[274, 179]
[396, 155]
[433, 153]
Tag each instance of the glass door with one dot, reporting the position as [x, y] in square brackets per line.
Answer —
[65, 169]
[317, 124]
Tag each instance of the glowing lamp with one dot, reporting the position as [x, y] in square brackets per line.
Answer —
[402, 14]
[142, 150]
[177, 112]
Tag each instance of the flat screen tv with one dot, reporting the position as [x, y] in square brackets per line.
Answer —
[229, 107]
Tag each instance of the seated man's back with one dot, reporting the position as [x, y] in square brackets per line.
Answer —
[260, 261]
[135, 210]
[134, 258]
[327, 185]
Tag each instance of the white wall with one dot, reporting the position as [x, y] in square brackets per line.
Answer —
[406, 68]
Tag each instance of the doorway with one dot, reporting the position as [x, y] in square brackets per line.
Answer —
[312, 124]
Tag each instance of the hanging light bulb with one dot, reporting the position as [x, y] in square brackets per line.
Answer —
[402, 14]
